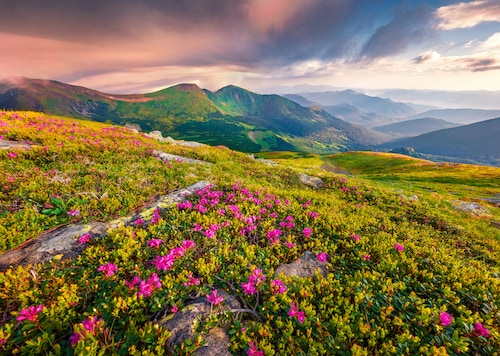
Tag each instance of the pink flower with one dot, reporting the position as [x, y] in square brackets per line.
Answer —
[156, 217]
[257, 277]
[356, 237]
[74, 212]
[164, 263]
[278, 286]
[83, 239]
[192, 281]
[307, 231]
[108, 269]
[138, 222]
[136, 280]
[294, 312]
[249, 288]
[73, 339]
[91, 324]
[366, 257]
[274, 235]
[213, 298]
[480, 330]
[155, 242]
[147, 287]
[30, 313]
[312, 214]
[187, 244]
[399, 247]
[174, 309]
[445, 318]
[186, 205]
[253, 351]
[289, 244]
[322, 257]
[12, 154]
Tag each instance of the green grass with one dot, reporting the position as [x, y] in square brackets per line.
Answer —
[374, 299]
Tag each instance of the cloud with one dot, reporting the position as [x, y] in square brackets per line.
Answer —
[467, 14]
[408, 27]
[492, 43]
[426, 57]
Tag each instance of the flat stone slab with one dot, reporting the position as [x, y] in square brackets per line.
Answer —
[7, 144]
[305, 266]
[62, 241]
[311, 181]
[472, 208]
[168, 157]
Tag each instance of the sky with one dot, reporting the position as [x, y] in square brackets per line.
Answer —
[137, 46]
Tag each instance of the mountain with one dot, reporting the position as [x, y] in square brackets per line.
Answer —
[415, 127]
[356, 107]
[231, 116]
[461, 116]
[476, 142]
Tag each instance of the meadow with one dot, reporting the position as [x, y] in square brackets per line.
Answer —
[402, 276]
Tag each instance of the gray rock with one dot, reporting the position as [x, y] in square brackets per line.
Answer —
[182, 324]
[472, 208]
[167, 157]
[7, 144]
[413, 198]
[306, 265]
[314, 182]
[60, 242]
[267, 161]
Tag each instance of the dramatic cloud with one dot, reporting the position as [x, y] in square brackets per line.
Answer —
[468, 14]
[409, 26]
[426, 57]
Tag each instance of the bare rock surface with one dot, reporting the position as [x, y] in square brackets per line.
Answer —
[311, 181]
[62, 241]
[306, 265]
[472, 208]
[168, 157]
[157, 135]
[7, 144]
[182, 325]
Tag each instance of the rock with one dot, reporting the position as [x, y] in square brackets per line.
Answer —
[62, 241]
[7, 144]
[313, 182]
[59, 242]
[305, 266]
[472, 208]
[157, 135]
[413, 198]
[167, 157]
[267, 161]
[189, 144]
[181, 325]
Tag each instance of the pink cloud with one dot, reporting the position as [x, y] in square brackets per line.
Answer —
[467, 14]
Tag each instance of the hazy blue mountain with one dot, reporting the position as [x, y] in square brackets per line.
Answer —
[461, 116]
[415, 127]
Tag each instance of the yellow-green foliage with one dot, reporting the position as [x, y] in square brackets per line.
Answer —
[403, 277]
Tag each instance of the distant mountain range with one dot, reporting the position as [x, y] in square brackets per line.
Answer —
[415, 127]
[231, 116]
[478, 142]
[460, 116]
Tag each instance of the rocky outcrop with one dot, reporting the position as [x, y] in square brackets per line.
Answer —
[157, 135]
[472, 208]
[168, 157]
[62, 241]
[306, 265]
[182, 324]
[311, 181]
[7, 144]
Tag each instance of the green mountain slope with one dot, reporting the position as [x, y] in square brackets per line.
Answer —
[400, 275]
[231, 116]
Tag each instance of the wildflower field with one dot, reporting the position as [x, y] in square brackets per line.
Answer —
[401, 276]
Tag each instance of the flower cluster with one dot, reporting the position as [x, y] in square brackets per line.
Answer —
[254, 281]
[30, 313]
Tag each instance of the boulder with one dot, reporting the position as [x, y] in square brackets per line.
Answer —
[313, 182]
[306, 265]
[472, 208]
[168, 157]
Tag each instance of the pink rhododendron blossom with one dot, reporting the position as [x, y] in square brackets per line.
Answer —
[164, 263]
[399, 247]
[312, 214]
[322, 257]
[445, 318]
[155, 243]
[290, 244]
[139, 222]
[108, 269]
[307, 231]
[174, 309]
[188, 244]
[83, 239]
[90, 324]
[135, 281]
[366, 257]
[274, 235]
[155, 218]
[253, 351]
[480, 330]
[294, 312]
[249, 288]
[73, 339]
[30, 313]
[278, 286]
[74, 212]
[192, 281]
[146, 287]
[356, 237]
[12, 154]
[213, 298]
[185, 205]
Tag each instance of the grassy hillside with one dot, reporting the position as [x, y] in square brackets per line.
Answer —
[403, 277]
[232, 116]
